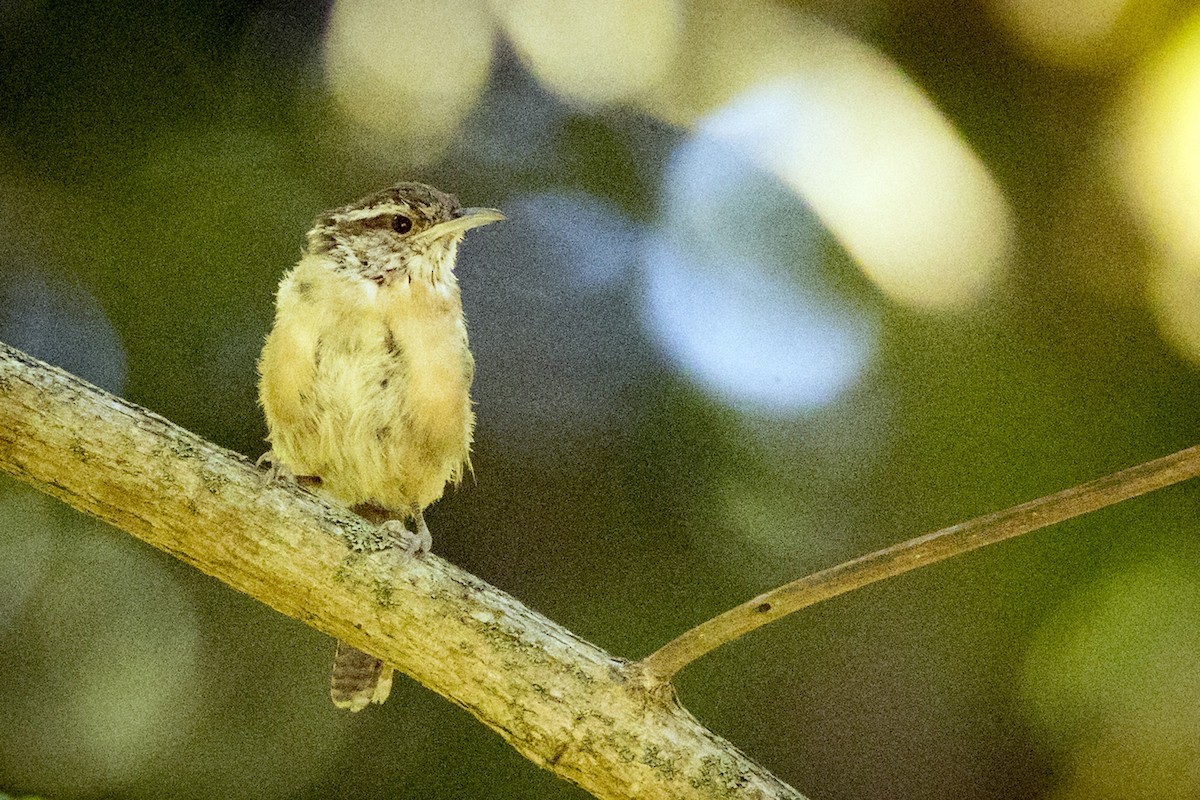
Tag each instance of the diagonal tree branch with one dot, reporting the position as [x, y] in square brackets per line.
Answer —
[568, 706]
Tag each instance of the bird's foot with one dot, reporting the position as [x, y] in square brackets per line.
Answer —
[413, 543]
[277, 471]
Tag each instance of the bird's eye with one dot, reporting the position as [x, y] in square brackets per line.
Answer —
[401, 224]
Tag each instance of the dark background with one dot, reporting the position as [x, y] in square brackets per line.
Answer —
[781, 283]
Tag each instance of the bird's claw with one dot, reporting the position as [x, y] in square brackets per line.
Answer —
[277, 471]
[414, 544]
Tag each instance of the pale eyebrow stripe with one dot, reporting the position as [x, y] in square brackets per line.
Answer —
[370, 213]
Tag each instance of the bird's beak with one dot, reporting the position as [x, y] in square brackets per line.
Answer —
[462, 222]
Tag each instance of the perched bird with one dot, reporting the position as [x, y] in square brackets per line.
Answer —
[365, 377]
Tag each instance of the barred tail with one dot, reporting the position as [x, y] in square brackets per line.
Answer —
[358, 679]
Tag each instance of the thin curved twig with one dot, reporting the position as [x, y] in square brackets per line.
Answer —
[659, 667]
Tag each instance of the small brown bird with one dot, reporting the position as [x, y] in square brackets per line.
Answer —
[365, 377]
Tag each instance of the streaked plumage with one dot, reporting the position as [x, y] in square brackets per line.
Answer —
[366, 374]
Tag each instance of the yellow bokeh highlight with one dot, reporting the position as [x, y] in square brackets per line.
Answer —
[1110, 684]
[726, 48]
[409, 71]
[1158, 165]
[882, 168]
[1082, 34]
[1174, 294]
[593, 51]
[1160, 159]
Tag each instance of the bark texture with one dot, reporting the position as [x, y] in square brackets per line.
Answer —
[568, 706]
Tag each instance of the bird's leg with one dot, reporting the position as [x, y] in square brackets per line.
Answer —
[414, 543]
[424, 538]
[276, 469]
